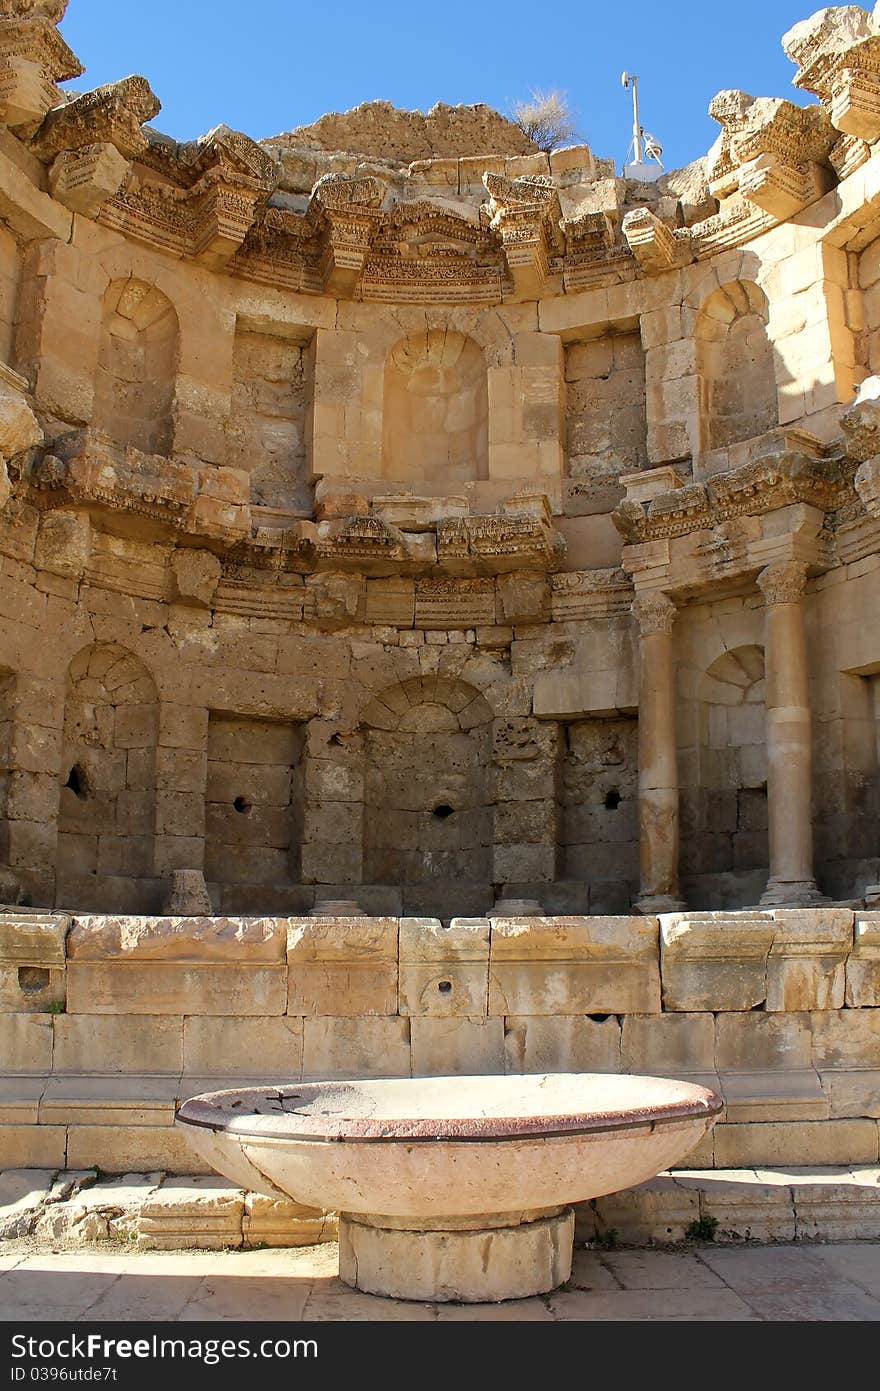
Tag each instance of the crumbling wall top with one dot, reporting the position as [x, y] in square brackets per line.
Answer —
[381, 130]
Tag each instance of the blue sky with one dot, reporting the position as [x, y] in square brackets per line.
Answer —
[270, 65]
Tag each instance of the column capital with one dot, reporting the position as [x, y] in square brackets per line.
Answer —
[654, 612]
[783, 583]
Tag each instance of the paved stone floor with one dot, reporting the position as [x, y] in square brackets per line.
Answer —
[808, 1283]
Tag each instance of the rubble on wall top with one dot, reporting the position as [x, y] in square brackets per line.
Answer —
[384, 131]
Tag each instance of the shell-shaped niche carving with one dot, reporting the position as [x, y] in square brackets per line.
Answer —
[436, 409]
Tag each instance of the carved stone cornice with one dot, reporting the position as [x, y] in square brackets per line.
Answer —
[33, 59]
[771, 152]
[762, 486]
[655, 613]
[527, 216]
[113, 114]
[783, 583]
[654, 245]
[837, 51]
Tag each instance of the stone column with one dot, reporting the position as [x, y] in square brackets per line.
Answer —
[789, 752]
[658, 767]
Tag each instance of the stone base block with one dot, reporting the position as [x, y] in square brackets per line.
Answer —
[477, 1266]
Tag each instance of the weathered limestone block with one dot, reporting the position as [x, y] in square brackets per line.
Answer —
[83, 180]
[845, 1038]
[754, 1041]
[863, 966]
[668, 1044]
[64, 543]
[444, 971]
[860, 423]
[660, 1210]
[202, 1213]
[126, 1149]
[196, 576]
[569, 1043]
[32, 1146]
[715, 961]
[33, 939]
[122, 1101]
[32, 961]
[838, 55]
[574, 966]
[748, 1144]
[853, 1094]
[744, 1207]
[19, 428]
[346, 1047]
[26, 1043]
[456, 1047]
[282, 1222]
[133, 1043]
[342, 966]
[525, 598]
[807, 962]
[793, 1094]
[177, 966]
[243, 1047]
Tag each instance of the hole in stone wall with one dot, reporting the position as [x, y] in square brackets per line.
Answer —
[445, 987]
[32, 980]
[613, 800]
[77, 783]
[443, 811]
[599, 1018]
[242, 805]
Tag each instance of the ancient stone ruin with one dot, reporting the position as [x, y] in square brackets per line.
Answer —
[439, 607]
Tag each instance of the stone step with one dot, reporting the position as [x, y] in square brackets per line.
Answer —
[165, 1212]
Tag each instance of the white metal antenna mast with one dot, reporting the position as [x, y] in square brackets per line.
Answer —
[643, 156]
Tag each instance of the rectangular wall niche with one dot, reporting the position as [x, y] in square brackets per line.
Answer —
[254, 808]
[600, 830]
[271, 393]
[606, 428]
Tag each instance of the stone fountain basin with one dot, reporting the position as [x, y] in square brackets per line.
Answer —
[435, 1149]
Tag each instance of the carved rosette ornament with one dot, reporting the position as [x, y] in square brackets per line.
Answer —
[783, 583]
[654, 613]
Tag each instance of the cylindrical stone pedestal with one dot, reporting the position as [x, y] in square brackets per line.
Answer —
[789, 739]
[658, 759]
[502, 1258]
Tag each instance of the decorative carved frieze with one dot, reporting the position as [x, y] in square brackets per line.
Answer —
[758, 487]
[576, 594]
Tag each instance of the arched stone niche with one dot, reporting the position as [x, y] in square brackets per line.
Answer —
[725, 853]
[436, 410]
[137, 367]
[737, 383]
[427, 750]
[107, 811]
